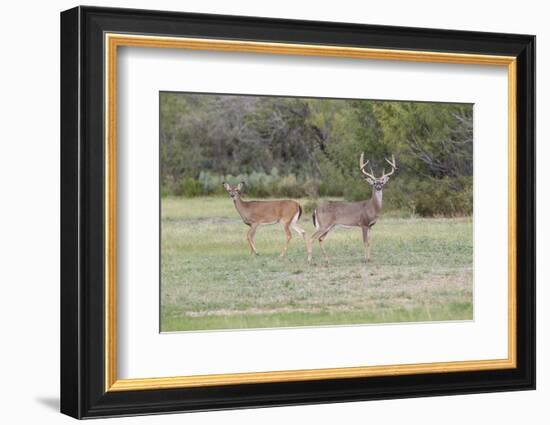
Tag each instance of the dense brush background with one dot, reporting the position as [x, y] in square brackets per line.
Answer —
[309, 148]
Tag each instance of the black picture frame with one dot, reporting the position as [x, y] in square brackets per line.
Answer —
[83, 392]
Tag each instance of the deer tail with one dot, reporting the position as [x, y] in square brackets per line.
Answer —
[314, 217]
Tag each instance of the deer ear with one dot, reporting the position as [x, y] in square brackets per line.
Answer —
[240, 185]
[385, 180]
[369, 181]
[226, 186]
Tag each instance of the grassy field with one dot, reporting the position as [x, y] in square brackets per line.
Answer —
[420, 270]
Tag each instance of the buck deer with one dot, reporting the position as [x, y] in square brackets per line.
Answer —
[256, 213]
[362, 214]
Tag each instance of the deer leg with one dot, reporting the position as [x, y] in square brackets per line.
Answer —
[316, 236]
[288, 236]
[320, 235]
[250, 238]
[366, 242]
[321, 245]
[302, 232]
[310, 245]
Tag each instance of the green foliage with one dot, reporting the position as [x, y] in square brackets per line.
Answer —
[210, 184]
[304, 147]
[445, 197]
[288, 186]
[431, 197]
[188, 187]
[427, 198]
[308, 206]
[432, 139]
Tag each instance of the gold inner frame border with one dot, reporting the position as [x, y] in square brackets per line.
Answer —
[113, 40]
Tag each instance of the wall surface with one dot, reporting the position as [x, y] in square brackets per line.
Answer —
[29, 224]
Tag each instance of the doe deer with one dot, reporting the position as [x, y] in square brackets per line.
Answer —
[362, 214]
[256, 213]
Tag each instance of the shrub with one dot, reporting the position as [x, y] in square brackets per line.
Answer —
[309, 206]
[431, 197]
[358, 190]
[425, 197]
[447, 197]
[311, 188]
[289, 187]
[188, 187]
[165, 190]
[210, 184]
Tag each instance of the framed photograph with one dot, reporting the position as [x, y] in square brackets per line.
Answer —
[261, 212]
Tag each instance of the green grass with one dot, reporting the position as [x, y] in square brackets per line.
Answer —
[420, 270]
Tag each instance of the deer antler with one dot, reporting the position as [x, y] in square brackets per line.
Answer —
[363, 164]
[393, 167]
